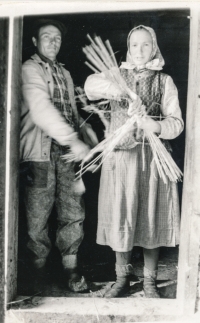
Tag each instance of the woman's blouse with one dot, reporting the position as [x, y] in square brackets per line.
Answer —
[97, 86]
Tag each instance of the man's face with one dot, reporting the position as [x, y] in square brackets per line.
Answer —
[48, 42]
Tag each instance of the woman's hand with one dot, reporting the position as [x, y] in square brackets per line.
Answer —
[134, 106]
[148, 124]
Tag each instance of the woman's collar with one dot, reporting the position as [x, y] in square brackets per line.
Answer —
[152, 65]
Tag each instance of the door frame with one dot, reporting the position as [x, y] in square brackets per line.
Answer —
[186, 300]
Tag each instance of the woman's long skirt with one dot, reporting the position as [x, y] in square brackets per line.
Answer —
[136, 208]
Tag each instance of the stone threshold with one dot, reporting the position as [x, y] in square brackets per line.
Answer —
[89, 310]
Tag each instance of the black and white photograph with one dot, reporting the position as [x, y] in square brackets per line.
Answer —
[99, 163]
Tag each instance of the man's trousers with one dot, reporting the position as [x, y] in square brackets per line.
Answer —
[46, 184]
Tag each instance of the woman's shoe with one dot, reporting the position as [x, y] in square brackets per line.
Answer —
[119, 288]
[122, 284]
[149, 285]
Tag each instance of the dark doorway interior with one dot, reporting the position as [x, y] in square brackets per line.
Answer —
[172, 29]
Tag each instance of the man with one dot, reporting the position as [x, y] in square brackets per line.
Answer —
[49, 129]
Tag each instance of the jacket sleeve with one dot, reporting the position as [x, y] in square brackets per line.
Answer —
[37, 99]
[173, 124]
[97, 86]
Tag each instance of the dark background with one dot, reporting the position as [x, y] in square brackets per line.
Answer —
[172, 30]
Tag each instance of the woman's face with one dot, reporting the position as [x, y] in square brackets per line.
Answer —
[140, 46]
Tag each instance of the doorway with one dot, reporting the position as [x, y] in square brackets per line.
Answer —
[54, 309]
[172, 28]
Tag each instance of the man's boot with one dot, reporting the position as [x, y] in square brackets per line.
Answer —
[74, 280]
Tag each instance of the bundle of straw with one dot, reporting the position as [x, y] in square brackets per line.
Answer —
[106, 146]
[164, 162]
[103, 59]
[99, 108]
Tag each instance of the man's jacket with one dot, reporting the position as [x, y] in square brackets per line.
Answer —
[40, 120]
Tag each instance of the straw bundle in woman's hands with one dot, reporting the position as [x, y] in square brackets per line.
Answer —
[102, 59]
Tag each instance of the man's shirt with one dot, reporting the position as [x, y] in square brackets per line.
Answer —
[60, 96]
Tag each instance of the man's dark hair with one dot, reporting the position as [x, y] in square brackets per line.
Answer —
[47, 22]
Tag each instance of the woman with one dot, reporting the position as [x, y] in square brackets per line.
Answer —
[136, 208]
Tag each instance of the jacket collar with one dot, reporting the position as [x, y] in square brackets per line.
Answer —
[39, 60]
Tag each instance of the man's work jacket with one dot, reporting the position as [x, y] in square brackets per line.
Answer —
[40, 120]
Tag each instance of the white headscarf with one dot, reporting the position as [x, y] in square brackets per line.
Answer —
[156, 61]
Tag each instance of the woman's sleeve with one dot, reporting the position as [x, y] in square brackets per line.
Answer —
[172, 125]
[97, 86]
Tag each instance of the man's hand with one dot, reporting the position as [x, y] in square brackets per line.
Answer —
[79, 149]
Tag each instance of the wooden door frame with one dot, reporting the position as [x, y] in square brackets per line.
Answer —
[190, 227]
[3, 120]
[10, 79]
[190, 217]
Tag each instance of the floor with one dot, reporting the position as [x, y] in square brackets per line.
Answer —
[99, 272]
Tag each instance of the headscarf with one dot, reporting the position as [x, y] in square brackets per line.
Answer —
[156, 61]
